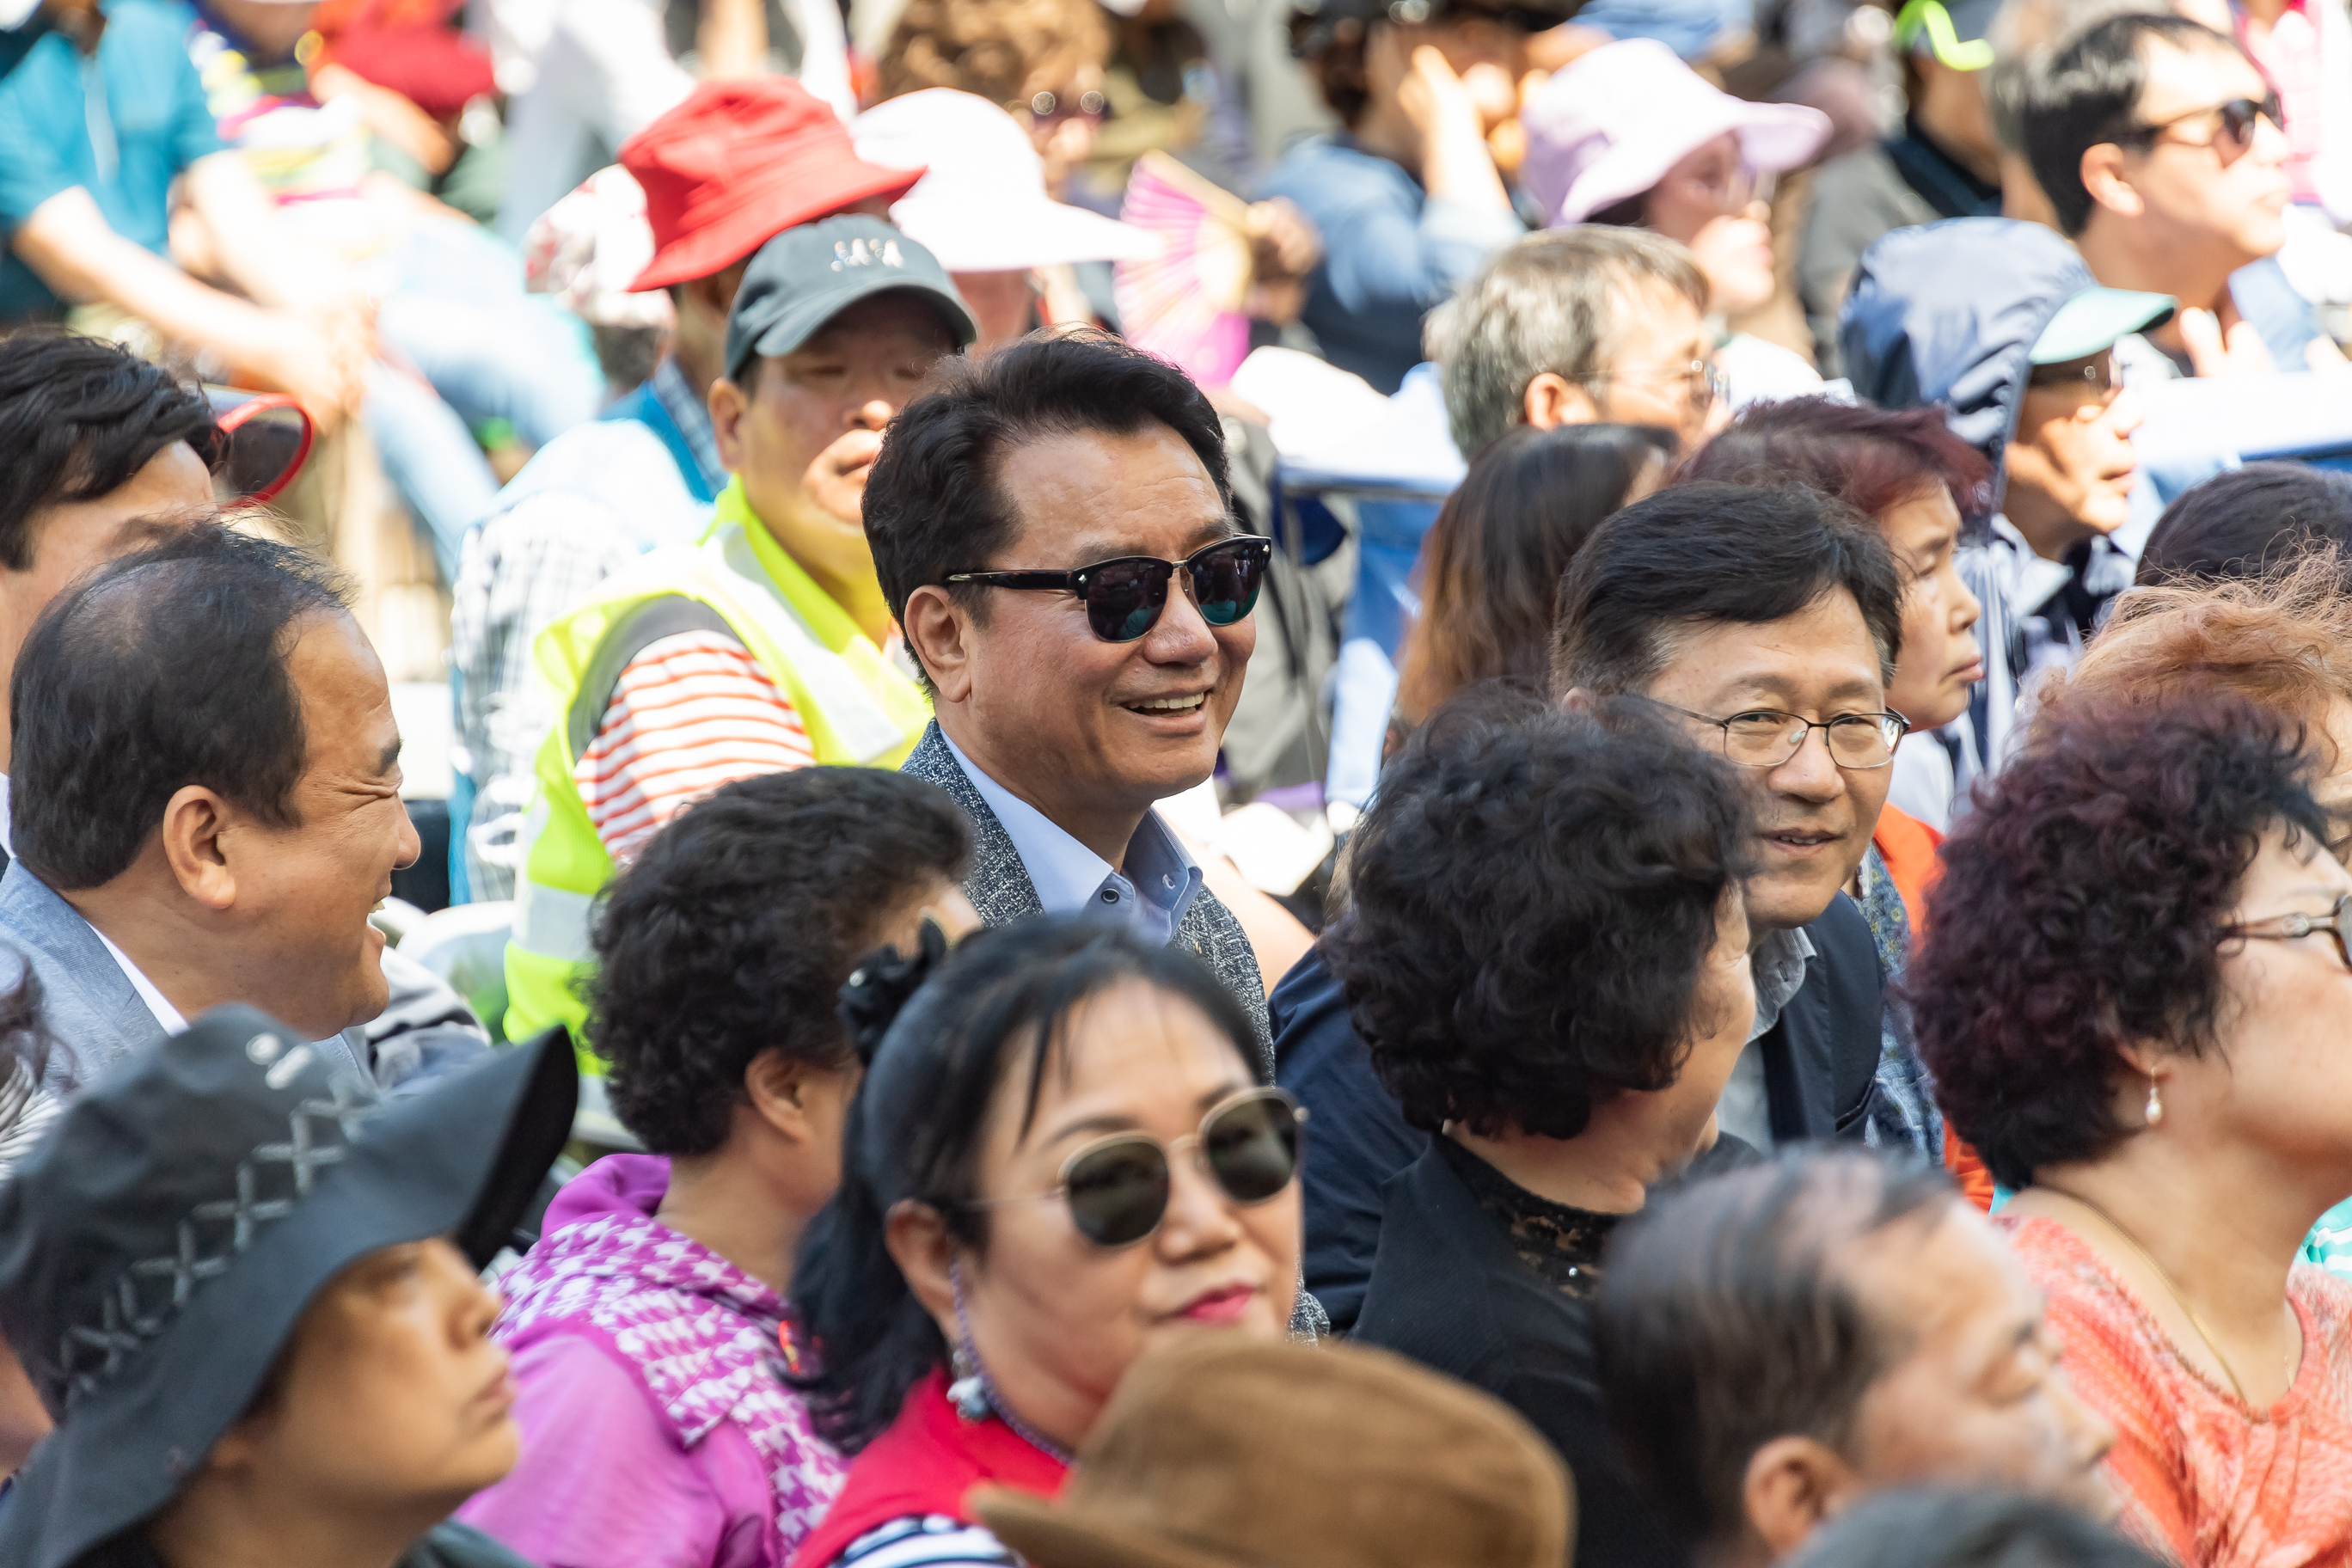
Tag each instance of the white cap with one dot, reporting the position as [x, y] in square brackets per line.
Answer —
[983, 207]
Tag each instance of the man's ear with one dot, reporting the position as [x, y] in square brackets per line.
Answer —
[919, 1243]
[2105, 176]
[200, 834]
[1793, 1484]
[729, 404]
[939, 632]
[1553, 400]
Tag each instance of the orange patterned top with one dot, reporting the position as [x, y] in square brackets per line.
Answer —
[2202, 1476]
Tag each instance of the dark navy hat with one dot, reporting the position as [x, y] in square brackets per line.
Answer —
[806, 276]
[159, 1246]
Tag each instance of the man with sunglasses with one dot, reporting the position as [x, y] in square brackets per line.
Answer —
[2001, 323]
[762, 647]
[1053, 529]
[2158, 144]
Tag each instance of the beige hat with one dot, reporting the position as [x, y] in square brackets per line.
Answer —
[1221, 1452]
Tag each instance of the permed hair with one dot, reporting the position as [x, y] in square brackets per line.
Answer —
[735, 926]
[996, 48]
[2093, 876]
[1533, 895]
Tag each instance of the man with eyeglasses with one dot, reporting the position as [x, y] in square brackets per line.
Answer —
[2001, 323]
[762, 647]
[2160, 146]
[1053, 528]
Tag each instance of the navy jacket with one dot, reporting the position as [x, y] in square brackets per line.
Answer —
[1821, 1064]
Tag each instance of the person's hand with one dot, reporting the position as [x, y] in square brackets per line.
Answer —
[1436, 101]
[1285, 246]
[836, 481]
[2213, 352]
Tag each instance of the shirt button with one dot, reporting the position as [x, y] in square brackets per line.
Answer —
[1110, 895]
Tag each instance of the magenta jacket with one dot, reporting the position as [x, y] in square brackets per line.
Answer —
[657, 1430]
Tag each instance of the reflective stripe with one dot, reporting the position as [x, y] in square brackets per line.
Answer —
[551, 921]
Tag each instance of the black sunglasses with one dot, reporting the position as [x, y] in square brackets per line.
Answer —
[1124, 597]
[1118, 1188]
[2234, 131]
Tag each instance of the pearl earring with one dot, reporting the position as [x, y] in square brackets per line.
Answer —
[2155, 1112]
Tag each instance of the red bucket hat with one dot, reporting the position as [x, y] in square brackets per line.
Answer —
[737, 163]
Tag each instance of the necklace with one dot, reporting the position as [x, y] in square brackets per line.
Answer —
[2165, 1279]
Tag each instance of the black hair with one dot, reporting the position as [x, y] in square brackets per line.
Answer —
[79, 417]
[2249, 522]
[1925, 1527]
[733, 930]
[999, 1006]
[1725, 1320]
[1709, 554]
[1533, 895]
[162, 669]
[27, 1052]
[2088, 94]
[933, 505]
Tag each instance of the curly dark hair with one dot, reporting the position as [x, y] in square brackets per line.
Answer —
[2080, 908]
[737, 925]
[1534, 891]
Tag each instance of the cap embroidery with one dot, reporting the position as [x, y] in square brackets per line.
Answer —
[864, 252]
[145, 1296]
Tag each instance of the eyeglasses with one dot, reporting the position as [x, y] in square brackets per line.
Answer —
[2291, 928]
[1117, 1186]
[2100, 373]
[1704, 386]
[2234, 130]
[1733, 190]
[1767, 738]
[1124, 597]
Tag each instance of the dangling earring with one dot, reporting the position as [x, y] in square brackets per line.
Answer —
[968, 1392]
[2155, 1111]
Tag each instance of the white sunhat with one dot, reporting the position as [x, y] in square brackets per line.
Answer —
[1612, 124]
[983, 207]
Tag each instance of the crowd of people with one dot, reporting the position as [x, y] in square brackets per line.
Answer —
[1815, 1039]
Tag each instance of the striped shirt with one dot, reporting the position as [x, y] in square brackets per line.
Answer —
[927, 1541]
[692, 711]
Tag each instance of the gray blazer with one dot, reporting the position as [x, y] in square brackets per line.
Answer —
[1000, 891]
[87, 1001]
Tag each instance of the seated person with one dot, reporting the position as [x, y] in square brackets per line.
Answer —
[1932, 1527]
[1630, 135]
[1063, 1155]
[1406, 196]
[204, 797]
[1578, 326]
[1765, 601]
[720, 951]
[1546, 955]
[2248, 523]
[313, 1374]
[761, 648]
[2160, 148]
[1778, 1343]
[1229, 1450]
[2157, 1079]
[2000, 324]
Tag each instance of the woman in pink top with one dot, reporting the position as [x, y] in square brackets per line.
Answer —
[651, 1326]
[2136, 999]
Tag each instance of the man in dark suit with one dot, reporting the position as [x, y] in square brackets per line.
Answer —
[1719, 605]
[1052, 528]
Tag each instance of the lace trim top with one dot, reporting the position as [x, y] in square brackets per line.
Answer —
[1562, 1244]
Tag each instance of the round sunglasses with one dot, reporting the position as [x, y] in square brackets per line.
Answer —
[1124, 597]
[1118, 1188]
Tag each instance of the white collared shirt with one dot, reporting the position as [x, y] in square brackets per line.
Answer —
[1069, 876]
[165, 1013]
[1745, 1110]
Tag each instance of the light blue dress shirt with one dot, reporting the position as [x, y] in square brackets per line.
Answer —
[1161, 879]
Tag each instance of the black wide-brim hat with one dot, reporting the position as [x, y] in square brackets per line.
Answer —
[158, 1247]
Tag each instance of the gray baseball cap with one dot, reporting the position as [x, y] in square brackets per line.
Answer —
[806, 276]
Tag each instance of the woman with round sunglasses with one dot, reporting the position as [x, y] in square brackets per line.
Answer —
[2134, 1002]
[1547, 955]
[1063, 1154]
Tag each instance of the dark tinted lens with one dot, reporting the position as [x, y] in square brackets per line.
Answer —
[1124, 598]
[2238, 118]
[1119, 1192]
[1226, 578]
[1252, 1147]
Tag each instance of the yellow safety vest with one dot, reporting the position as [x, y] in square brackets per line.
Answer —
[857, 707]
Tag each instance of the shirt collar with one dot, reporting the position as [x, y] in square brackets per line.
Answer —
[1779, 966]
[692, 417]
[166, 1015]
[1163, 879]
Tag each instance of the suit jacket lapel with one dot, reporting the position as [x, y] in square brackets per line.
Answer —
[999, 886]
[86, 1000]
